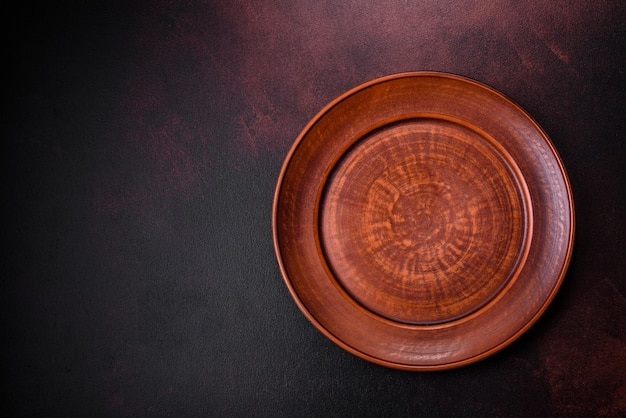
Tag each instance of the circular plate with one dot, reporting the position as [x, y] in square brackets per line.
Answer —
[423, 221]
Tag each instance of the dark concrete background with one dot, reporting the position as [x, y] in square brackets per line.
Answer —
[142, 147]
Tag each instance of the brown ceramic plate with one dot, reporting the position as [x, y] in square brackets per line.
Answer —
[423, 221]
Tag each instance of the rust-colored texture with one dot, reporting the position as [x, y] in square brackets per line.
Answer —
[423, 221]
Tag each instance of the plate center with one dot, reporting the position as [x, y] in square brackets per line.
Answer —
[423, 221]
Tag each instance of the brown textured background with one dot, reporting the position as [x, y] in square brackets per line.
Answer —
[142, 145]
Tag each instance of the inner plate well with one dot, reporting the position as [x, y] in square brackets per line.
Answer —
[424, 220]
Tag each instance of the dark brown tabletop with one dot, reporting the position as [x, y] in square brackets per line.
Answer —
[143, 145]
